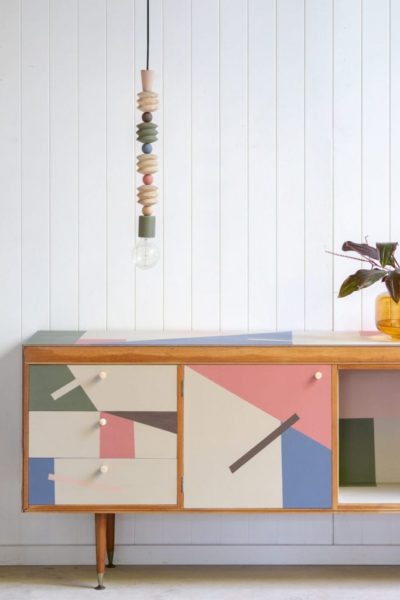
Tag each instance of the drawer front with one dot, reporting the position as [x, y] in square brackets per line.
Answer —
[80, 481]
[102, 434]
[257, 436]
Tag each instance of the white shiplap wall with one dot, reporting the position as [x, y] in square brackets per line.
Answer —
[279, 139]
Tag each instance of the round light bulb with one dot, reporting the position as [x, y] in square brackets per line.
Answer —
[146, 253]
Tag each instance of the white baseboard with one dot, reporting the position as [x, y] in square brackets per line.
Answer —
[205, 555]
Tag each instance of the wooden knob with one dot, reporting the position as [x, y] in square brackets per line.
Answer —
[103, 469]
[103, 375]
[318, 375]
[103, 421]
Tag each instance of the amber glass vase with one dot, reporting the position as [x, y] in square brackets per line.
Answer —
[387, 315]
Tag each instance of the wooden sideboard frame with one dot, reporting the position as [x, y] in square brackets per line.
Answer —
[339, 357]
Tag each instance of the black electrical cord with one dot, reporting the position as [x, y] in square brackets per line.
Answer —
[148, 35]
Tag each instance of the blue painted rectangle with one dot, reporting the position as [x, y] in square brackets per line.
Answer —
[306, 472]
[275, 338]
[41, 490]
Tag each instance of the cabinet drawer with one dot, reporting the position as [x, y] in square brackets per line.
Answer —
[80, 481]
[257, 436]
[81, 415]
[102, 387]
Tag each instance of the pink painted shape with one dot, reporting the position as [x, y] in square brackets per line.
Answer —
[369, 394]
[117, 437]
[281, 391]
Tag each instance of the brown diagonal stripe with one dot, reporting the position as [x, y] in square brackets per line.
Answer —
[165, 420]
[264, 443]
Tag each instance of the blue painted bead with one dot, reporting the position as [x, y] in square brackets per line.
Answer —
[147, 148]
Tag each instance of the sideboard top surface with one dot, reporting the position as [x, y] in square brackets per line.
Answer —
[210, 339]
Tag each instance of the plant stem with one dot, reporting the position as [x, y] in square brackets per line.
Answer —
[368, 260]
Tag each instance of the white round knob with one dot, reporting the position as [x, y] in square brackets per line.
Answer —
[103, 375]
[318, 375]
[103, 421]
[103, 469]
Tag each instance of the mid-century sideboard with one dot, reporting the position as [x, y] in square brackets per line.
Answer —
[120, 422]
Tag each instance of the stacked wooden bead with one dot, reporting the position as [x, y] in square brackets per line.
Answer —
[147, 163]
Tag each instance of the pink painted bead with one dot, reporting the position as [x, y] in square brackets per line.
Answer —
[148, 179]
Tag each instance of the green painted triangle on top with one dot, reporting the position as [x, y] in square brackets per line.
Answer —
[46, 379]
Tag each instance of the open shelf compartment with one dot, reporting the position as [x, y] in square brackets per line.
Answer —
[369, 437]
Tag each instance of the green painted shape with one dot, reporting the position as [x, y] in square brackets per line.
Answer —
[54, 338]
[356, 452]
[46, 379]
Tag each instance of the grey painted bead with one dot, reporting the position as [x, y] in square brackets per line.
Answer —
[147, 148]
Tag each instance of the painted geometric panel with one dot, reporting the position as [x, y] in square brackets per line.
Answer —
[117, 437]
[369, 394]
[306, 472]
[66, 433]
[151, 442]
[387, 450]
[233, 454]
[281, 390]
[219, 429]
[121, 417]
[45, 380]
[131, 434]
[127, 481]
[165, 420]
[356, 452]
[369, 409]
[270, 338]
[41, 488]
[55, 338]
[179, 338]
[129, 387]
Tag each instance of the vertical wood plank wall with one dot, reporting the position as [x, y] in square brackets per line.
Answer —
[279, 139]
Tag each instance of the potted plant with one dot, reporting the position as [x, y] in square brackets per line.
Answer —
[383, 266]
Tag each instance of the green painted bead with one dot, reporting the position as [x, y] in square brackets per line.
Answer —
[147, 139]
[147, 133]
[147, 127]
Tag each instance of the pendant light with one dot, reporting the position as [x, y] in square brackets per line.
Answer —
[146, 252]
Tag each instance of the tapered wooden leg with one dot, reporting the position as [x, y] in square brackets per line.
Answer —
[101, 543]
[110, 540]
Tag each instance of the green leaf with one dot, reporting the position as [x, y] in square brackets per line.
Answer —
[359, 280]
[386, 252]
[392, 281]
[363, 249]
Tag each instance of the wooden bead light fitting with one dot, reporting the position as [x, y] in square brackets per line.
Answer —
[147, 164]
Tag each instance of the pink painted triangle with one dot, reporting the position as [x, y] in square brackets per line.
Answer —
[281, 390]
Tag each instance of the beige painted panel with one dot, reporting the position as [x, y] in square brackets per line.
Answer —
[64, 434]
[387, 450]
[127, 481]
[129, 387]
[219, 428]
[151, 442]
